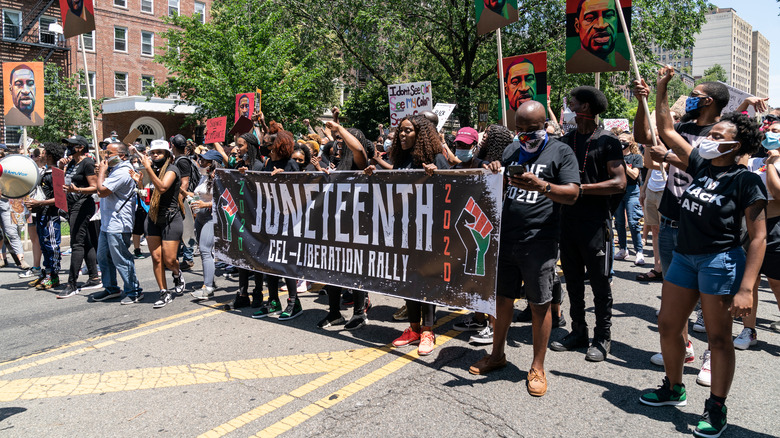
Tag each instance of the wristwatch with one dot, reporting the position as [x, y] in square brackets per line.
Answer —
[547, 188]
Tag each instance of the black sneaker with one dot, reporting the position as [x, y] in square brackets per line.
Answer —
[178, 284]
[347, 299]
[293, 310]
[558, 321]
[663, 396]
[186, 265]
[327, 322]
[598, 351]
[137, 253]
[525, 315]
[713, 421]
[69, 291]
[273, 307]
[137, 298]
[572, 341]
[257, 299]
[165, 298]
[356, 322]
[470, 324]
[241, 301]
[105, 295]
[91, 284]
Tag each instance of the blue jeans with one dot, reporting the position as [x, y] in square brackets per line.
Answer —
[631, 207]
[113, 255]
[188, 250]
[667, 241]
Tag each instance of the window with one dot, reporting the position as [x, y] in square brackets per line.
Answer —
[147, 82]
[147, 6]
[121, 3]
[89, 41]
[44, 36]
[12, 24]
[120, 39]
[173, 7]
[83, 86]
[120, 84]
[147, 43]
[200, 8]
[13, 135]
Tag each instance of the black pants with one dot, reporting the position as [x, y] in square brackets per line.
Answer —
[83, 240]
[243, 282]
[334, 300]
[273, 287]
[420, 311]
[586, 244]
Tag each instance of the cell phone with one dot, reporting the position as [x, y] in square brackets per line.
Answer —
[516, 169]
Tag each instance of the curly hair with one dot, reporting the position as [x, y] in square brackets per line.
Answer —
[274, 127]
[427, 143]
[304, 149]
[54, 150]
[314, 146]
[497, 138]
[284, 144]
[748, 132]
[315, 137]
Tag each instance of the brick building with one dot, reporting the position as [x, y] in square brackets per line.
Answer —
[120, 60]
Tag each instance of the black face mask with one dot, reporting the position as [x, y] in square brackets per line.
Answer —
[624, 144]
[159, 163]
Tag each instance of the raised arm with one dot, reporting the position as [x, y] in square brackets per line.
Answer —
[663, 119]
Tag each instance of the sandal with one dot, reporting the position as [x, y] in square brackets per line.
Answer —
[653, 275]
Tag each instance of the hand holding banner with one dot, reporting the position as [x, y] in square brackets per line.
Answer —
[215, 130]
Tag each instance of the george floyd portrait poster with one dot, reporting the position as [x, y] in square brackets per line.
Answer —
[23, 93]
[595, 40]
[245, 104]
[525, 78]
[78, 16]
[494, 14]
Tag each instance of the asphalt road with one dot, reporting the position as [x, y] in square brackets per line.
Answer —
[75, 367]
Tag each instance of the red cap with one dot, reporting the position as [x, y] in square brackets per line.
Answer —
[467, 135]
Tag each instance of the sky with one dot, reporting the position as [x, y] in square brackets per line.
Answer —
[763, 16]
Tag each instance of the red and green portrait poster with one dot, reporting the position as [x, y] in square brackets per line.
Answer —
[245, 104]
[494, 14]
[525, 78]
[23, 97]
[595, 40]
[78, 16]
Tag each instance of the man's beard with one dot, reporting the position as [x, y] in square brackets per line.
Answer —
[599, 49]
[25, 107]
[520, 98]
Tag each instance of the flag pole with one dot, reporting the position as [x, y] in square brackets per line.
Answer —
[89, 96]
[501, 77]
[598, 85]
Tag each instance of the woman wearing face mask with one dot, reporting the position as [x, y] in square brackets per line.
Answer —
[464, 144]
[165, 221]
[629, 205]
[709, 262]
[768, 170]
[80, 184]
[205, 220]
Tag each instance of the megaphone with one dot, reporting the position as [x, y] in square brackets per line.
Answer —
[19, 176]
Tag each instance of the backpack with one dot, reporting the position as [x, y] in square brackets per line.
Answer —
[194, 173]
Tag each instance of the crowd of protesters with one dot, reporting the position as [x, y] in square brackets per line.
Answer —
[706, 195]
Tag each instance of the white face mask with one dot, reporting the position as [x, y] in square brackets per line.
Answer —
[531, 141]
[709, 149]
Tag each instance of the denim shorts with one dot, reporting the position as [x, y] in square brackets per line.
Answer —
[712, 274]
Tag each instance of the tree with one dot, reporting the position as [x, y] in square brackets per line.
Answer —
[366, 107]
[67, 113]
[714, 73]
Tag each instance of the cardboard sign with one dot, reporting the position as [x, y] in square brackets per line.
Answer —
[590, 46]
[494, 14]
[482, 115]
[678, 106]
[258, 100]
[736, 97]
[525, 78]
[443, 111]
[215, 130]
[242, 126]
[58, 182]
[23, 93]
[78, 16]
[131, 137]
[617, 123]
[409, 99]
[245, 102]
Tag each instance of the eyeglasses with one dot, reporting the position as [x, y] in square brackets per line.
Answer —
[698, 94]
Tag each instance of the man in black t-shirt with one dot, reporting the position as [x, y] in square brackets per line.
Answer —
[541, 175]
[586, 237]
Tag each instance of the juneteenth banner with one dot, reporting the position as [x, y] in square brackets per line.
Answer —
[399, 233]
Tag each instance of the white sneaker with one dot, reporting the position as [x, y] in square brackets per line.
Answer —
[746, 339]
[705, 375]
[690, 356]
[640, 259]
[621, 255]
[303, 286]
[483, 337]
[698, 326]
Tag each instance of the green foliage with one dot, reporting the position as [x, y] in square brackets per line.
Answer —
[366, 108]
[67, 113]
[714, 73]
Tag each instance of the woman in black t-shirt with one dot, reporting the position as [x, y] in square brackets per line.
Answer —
[165, 221]
[709, 262]
[80, 184]
[417, 145]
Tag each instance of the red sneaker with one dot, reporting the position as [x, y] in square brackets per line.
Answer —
[409, 336]
[427, 342]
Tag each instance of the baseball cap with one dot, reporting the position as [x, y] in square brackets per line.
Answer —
[159, 145]
[76, 139]
[467, 135]
[211, 155]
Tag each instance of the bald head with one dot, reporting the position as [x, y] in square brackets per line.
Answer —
[530, 116]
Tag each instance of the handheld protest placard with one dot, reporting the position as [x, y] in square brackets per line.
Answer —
[525, 78]
[595, 38]
[215, 130]
[409, 99]
[494, 14]
[245, 103]
[78, 16]
[242, 126]
[23, 93]
[131, 137]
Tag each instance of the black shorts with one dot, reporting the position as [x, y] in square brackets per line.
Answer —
[527, 264]
[771, 265]
[170, 231]
[140, 221]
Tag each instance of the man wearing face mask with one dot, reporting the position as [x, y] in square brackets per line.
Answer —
[116, 188]
[541, 175]
[586, 238]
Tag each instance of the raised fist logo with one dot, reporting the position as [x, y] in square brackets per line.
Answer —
[475, 236]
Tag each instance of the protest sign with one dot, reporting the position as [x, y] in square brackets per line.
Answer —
[215, 130]
[408, 99]
[736, 97]
[482, 115]
[258, 100]
[494, 14]
[443, 112]
[617, 123]
[678, 106]
[23, 99]
[78, 16]
[400, 233]
[131, 137]
[245, 103]
[525, 78]
[58, 182]
[595, 40]
[242, 126]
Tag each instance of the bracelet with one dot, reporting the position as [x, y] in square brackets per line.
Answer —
[666, 155]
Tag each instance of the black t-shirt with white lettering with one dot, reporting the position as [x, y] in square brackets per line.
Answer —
[532, 215]
[713, 205]
[601, 148]
[677, 180]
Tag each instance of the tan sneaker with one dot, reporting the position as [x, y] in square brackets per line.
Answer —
[400, 314]
[427, 342]
[485, 365]
[537, 383]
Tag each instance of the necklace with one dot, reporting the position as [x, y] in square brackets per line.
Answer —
[715, 178]
[587, 146]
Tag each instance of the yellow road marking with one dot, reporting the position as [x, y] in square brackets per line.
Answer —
[182, 375]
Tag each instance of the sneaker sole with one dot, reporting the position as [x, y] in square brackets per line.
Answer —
[481, 341]
[62, 297]
[744, 346]
[703, 383]
[699, 329]
[666, 403]
[707, 435]
[408, 343]
[266, 315]
[361, 325]
[160, 306]
[289, 317]
[107, 297]
[88, 288]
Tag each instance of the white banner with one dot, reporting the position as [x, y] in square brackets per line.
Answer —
[408, 99]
